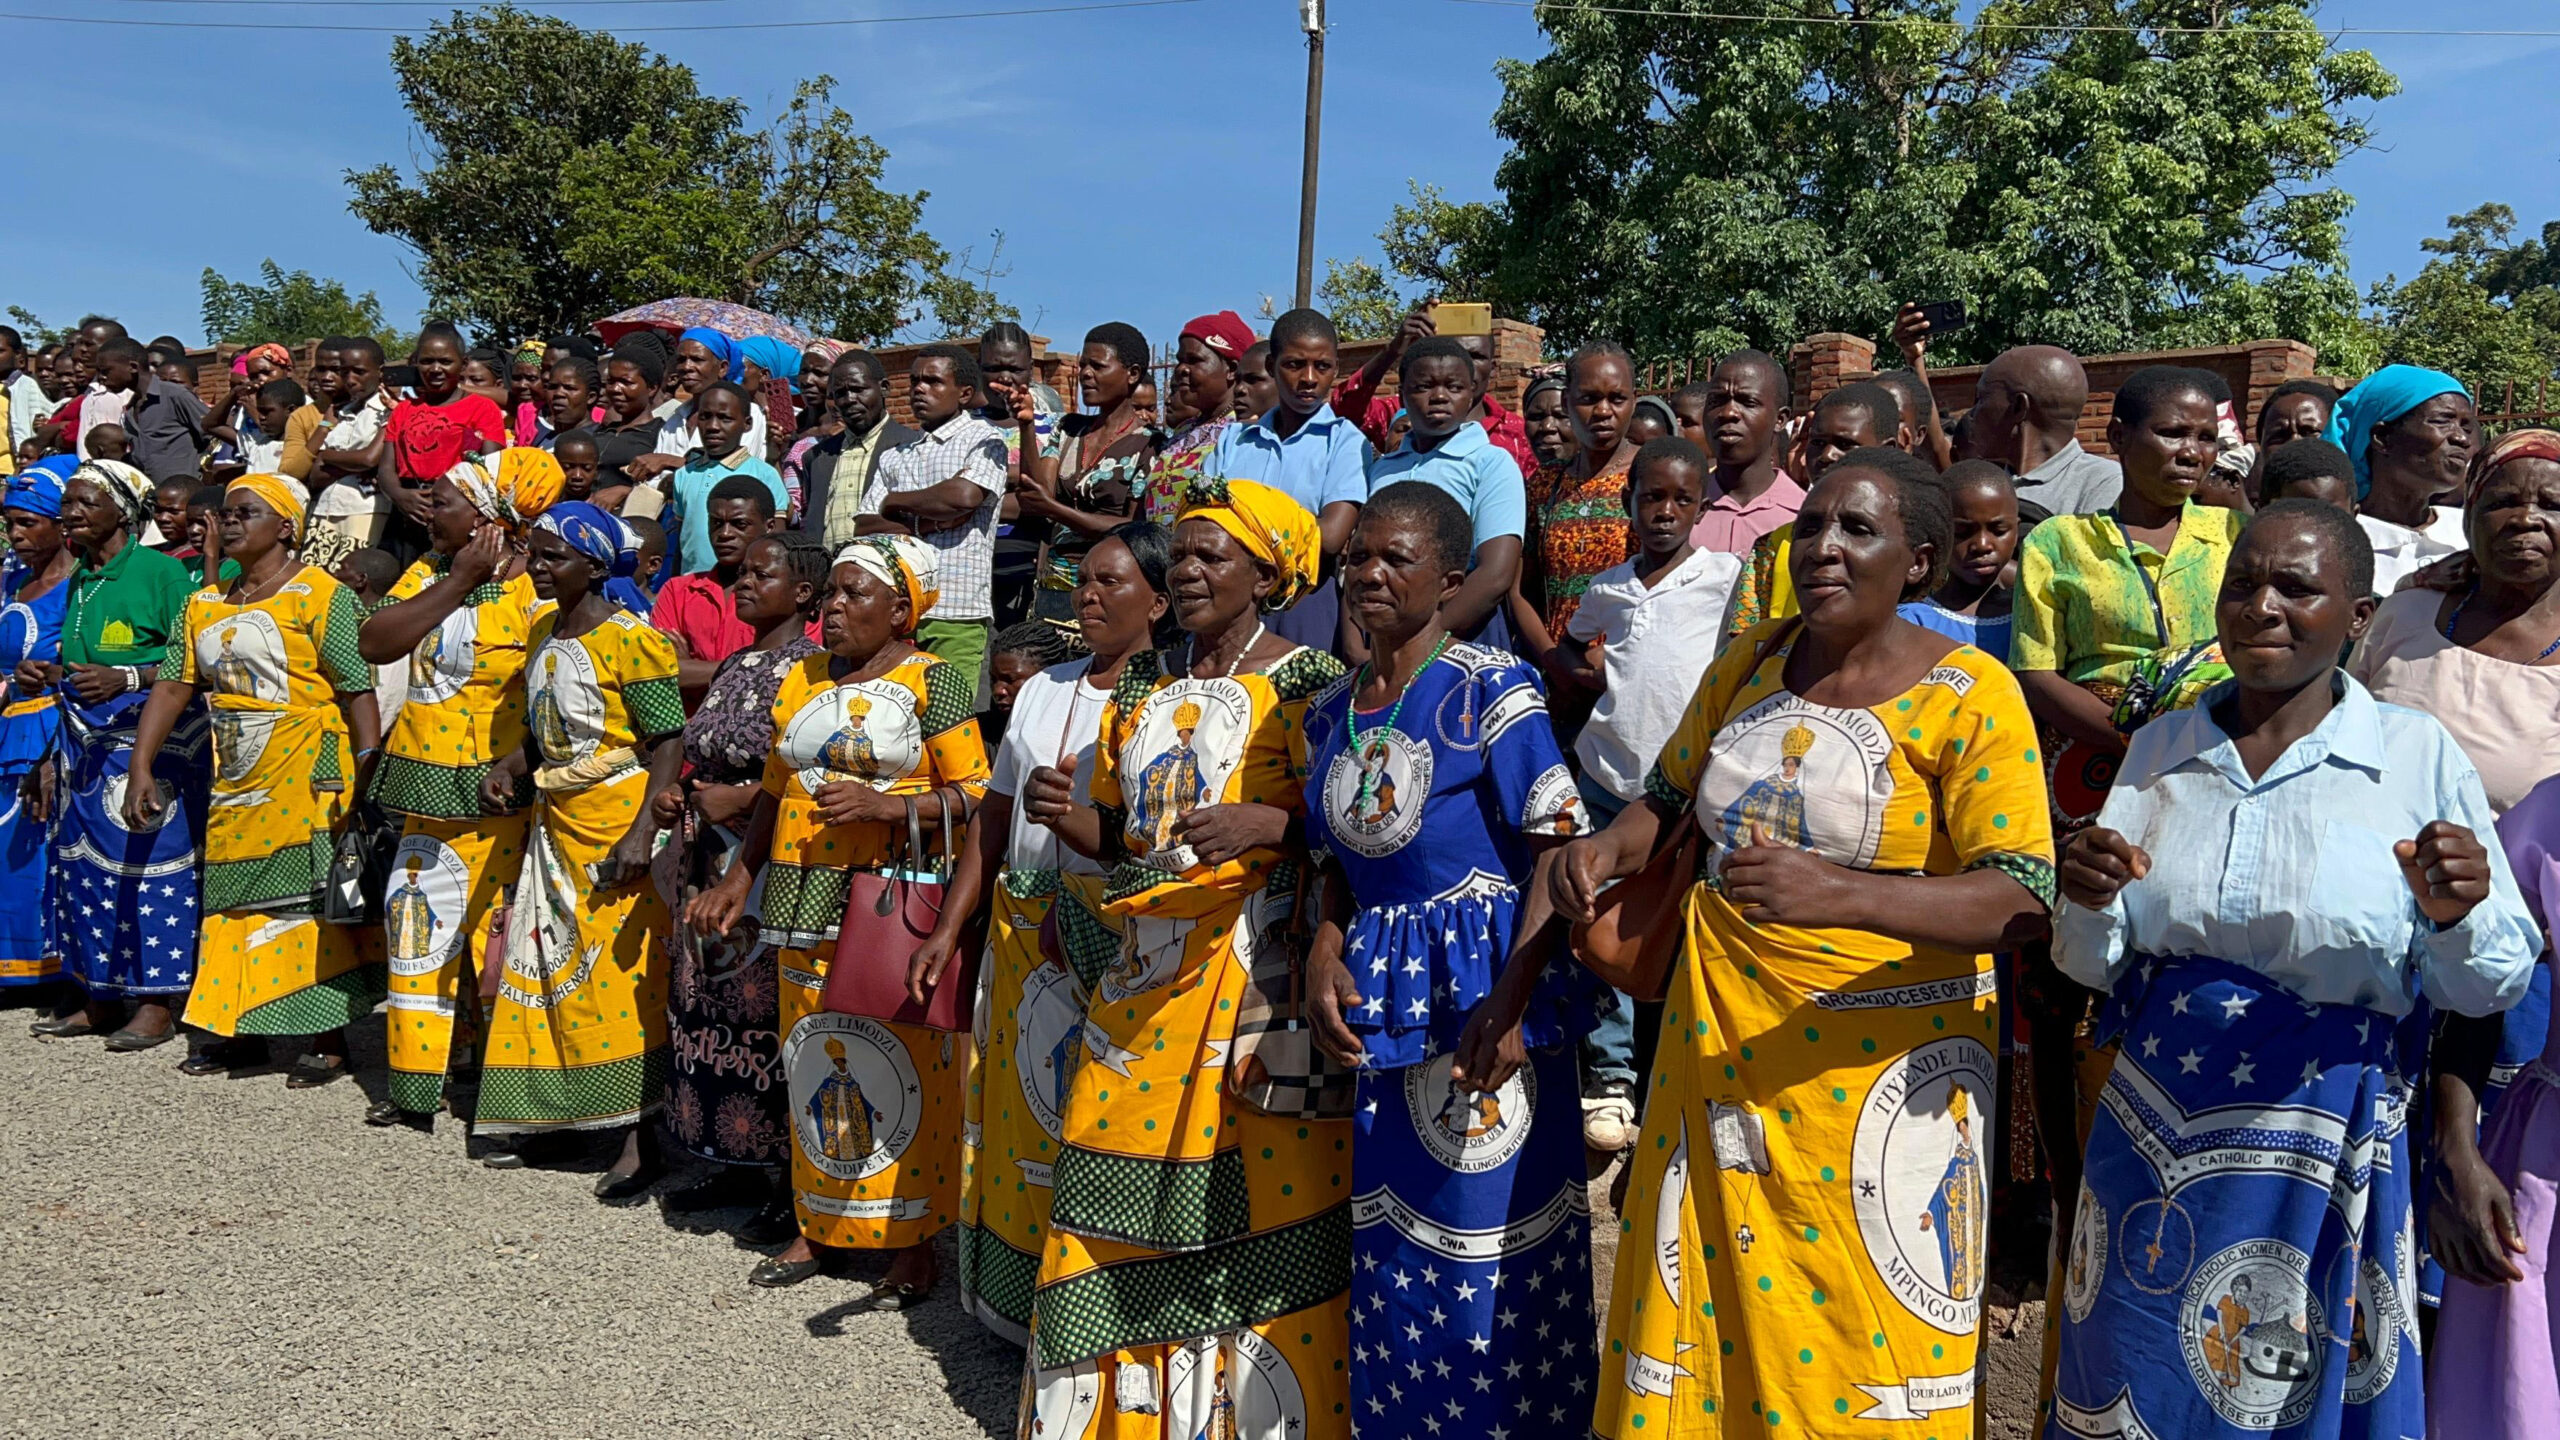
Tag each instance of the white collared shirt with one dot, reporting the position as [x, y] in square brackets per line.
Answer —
[1655, 645]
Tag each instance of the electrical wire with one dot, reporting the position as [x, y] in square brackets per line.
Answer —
[2330, 31]
[616, 29]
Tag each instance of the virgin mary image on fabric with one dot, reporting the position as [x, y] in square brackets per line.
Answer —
[841, 1112]
[1777, 798]
[848, 751]
[547, 724]
[1958, 1203]
[231, 674]
[408, 918]
[1171, 783]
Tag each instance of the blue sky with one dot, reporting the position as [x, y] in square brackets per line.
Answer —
[1143, 164]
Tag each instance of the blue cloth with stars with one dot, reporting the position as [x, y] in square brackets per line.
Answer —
[29, 630]
[125, 901]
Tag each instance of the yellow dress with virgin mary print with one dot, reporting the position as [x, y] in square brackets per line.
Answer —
[876, 1107]
[1803, 1229]
[272, 673]
[1200, 1249]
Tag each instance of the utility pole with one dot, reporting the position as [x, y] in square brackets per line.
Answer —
[1310, 16]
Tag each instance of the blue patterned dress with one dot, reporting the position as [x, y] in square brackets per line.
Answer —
[1471, 1279]
[29, 630]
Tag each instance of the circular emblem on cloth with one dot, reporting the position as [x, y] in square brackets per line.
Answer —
[1253, 1393]
[563, 703]
[113, 799]
[441, 665]
[1812, 777]
[1048, 1040]
[854, 1096]
[1671, 1202]
[1469, 1131]
[239, 738]
[2078, 778]
[2156, 1245]
[1061, 1402]
[243, 654]
[2374, 1320]
[424, 905]
[1920, 1168]
[2252, 1334]
[865, 731]
[19, 630]
[1184, 744]
[1374, 797]
[2087, 1264]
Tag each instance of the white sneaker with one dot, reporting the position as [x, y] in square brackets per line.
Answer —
[1608, 1121]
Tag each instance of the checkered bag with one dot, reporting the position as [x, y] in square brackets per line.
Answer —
[1276, 1066]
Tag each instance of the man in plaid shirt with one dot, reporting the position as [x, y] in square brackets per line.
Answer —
[945, 486]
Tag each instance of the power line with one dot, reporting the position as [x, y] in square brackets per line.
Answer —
[394, 4]
[2331, 32]
[617, 29]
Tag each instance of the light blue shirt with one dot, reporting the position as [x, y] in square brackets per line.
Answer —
[691, 502]
[1323, 462]
[1470, 466]
[2292, 874]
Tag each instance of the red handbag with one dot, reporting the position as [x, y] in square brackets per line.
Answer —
[888, 912]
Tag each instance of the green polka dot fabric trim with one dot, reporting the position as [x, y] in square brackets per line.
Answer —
[1029, 884]
[656, 706]
[1091, 944]
[1303, 672]
[1161, 1204]
[949, 699]
[518, 1098]
[1656, 787]
[1164, 1299]
[284, 881]
[2033, 871]
[803, 903]
[1130, 877]
[1138, 676]
[332, 1003]
[435, 792]
[995, 1275]
[339, 659]
[417, 1094]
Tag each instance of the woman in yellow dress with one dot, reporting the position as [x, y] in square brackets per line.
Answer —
[294, 730]
[875, 1107]
[1804, 1230]
[578, 1038]
[1201, 1248]
[458, 619]
[1031, 1006]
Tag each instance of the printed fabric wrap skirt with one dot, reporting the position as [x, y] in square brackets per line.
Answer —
[1200, 1264]
[125, 901]
[29, 954]
[725, 1098]
[440, 916]
[1029, 1030]
[578, 1037]
[2242, 1261]
[1803, 1238]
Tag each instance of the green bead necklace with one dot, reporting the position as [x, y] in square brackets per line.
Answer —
[1351, 720]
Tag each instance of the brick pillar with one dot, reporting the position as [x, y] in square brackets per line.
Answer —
[1518, 347]
[1820, 364]
[2271, 363]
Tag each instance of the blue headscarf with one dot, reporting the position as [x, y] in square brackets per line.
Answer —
[722, 348]
[38, 488]
[595, 533]
[775, 358]
[2385, 396]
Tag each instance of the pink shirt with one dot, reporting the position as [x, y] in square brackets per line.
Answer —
[1733, 526]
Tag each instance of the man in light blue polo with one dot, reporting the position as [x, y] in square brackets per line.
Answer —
[1437, 383]
[1303, 448]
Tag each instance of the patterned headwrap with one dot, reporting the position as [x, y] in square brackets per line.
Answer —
[38, 488]
[1272, 527]
[533, 350]
[281, 493]
[512, 486]
[2385, 396]
[271, 351]
[2513, 446]
[828, 351]
[129, 488]
[722, 348]
[594, 532]
[903, 563]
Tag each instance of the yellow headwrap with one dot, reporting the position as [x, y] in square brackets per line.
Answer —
[905, 564]
[511, 487]
[282, 494]
[1274, 528]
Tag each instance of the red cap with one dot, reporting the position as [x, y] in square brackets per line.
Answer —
[1224, 332]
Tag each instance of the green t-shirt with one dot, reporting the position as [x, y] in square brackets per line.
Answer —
[126, 611]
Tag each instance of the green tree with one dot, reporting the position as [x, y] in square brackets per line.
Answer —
[570, 174]
[1688, 184]
[290, 308]
[35, 329]
[1357, 296]
[2484, 308]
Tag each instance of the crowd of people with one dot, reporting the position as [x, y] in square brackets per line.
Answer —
[1241, 860]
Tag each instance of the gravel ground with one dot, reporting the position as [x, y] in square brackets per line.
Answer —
[223, 1257]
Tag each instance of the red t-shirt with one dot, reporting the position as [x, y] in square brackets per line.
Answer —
[698, 610]
[428, 440]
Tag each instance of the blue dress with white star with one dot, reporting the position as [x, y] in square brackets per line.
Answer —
[30, 629]
[1471, 1280]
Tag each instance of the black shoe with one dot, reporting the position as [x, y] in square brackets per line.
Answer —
[311, 1071]
[615, 1189]
[221, 1057]
[772, 1225]
[127, 1042]
[776, 1273]
[723, 1189]
[63, 1027]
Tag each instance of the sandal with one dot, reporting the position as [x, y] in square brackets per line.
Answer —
[312, 1071]
[893, 1297]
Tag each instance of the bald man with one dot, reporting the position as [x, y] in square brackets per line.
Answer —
[2026, 412]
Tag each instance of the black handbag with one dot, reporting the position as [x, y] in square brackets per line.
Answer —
[359, 869]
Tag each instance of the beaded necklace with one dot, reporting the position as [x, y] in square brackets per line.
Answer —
[1351, 720]
[2456, 618]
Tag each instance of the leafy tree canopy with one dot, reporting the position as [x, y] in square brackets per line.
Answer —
[289, 308]
[570, 175]
[1690, 185]
[2484, 308]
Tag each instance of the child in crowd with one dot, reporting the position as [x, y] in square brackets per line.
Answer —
[1689, 408]
[1017, 653]
[638, 593]
[1653, 419]
[274, 404]
[108, 442]
[370, 574]
[1973, 604]
[1645, 624]
[171, 500]
[2309, 469]
[576, 452]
